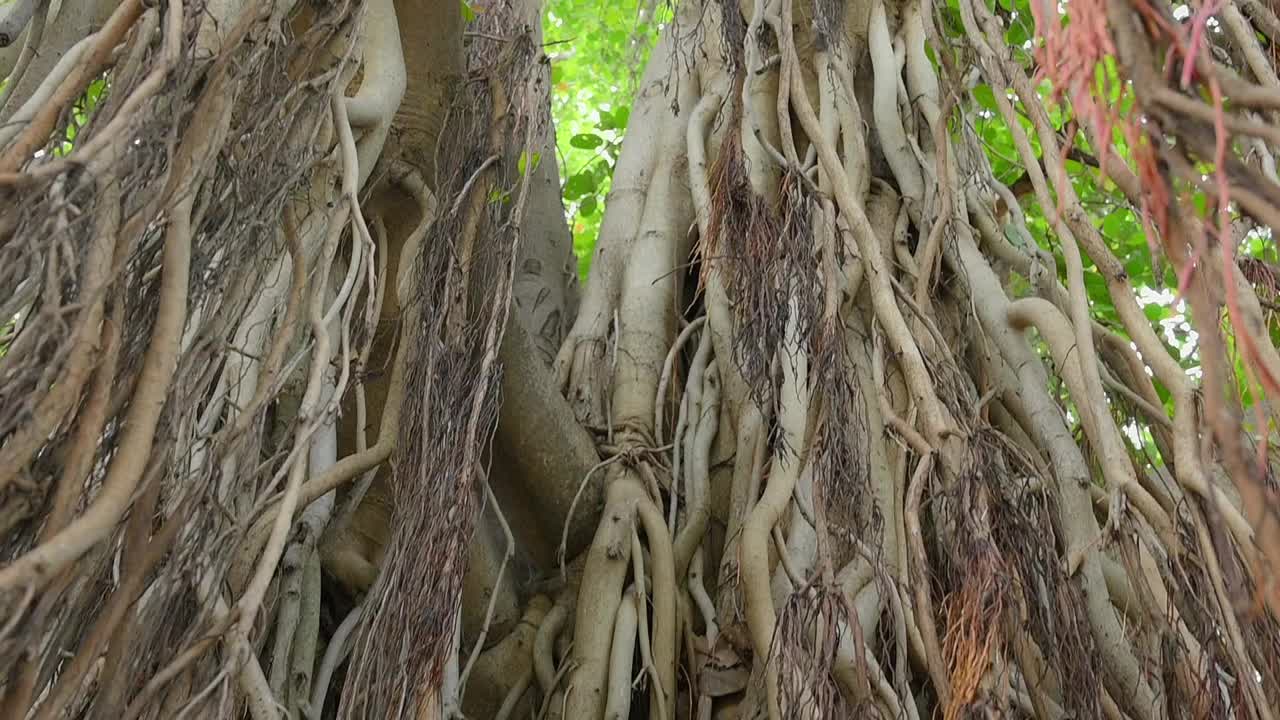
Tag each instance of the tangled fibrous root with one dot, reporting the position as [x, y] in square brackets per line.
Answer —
[141, 264]
[808, 635]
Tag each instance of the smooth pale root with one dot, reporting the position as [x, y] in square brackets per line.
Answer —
[883, 457]
[618, 704]
[1074, 226]
[298, 591]
[254, 332]
[648, 309]
[159, 365]
[501, 669]
[707, 130]
[378, 98]
[856, 579]
[313, 409]
[14, 17]
[792, 421]
[934, 415]
[25, 441]
[759, 94]
[1189, 467]
[307, 638]
[800, 544]
[374, 106]
[893, 138]
[1054, 328]
[646, 325]
[660, 635]
[334, 654]
[543, 645]
[922, 80]
[697, 488]
[748, 464]
[601, 594]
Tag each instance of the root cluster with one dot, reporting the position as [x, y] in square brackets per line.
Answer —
[301, 416]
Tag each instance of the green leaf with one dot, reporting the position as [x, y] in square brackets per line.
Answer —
[1201, 202]
[1155, 312]
[580, 185]
[616, 120]
[586, 141]
[468, 13]
[93, 95]
[589, 205]
[984, 96]
[1016, 35]
[1120, 225]
[1096, 287]
[520, 165]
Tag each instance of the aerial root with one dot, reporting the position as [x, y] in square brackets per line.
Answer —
[660, 654]
[176, 423]
[973, 629]
[805, 650]
[10, 26]
[625, 626]
[515, 694]
[921, 581]
[544, 663]
[667, 367]
[336, 651]
[582, 370]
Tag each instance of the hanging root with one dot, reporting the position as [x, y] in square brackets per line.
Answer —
[973, 626]
[804, 650]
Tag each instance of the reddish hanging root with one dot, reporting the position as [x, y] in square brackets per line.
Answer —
[973, 626]
[1069, 57]
[1198, 23]
[1155, 199]
[1247, 341]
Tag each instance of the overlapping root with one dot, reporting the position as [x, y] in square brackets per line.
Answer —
[167, 252]
[209, 234]
[838, 477]
[974, 553]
